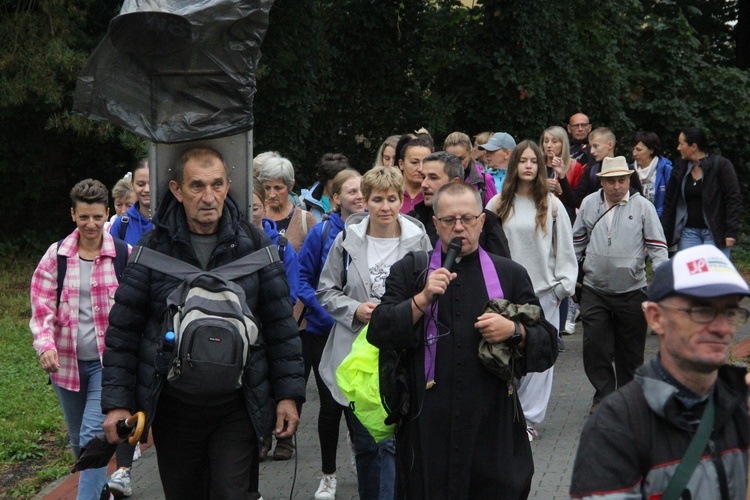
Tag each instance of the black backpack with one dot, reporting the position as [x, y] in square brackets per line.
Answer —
[215, 330]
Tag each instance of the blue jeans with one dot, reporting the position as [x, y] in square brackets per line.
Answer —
[84, 418]
[376, 463]
[692, 237]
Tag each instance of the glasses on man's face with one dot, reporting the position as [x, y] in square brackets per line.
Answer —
[580, 125]
[706, 314]
[466, 220]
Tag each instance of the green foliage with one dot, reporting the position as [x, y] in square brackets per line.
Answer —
[343, 75]
[32, 430]
[44, 149]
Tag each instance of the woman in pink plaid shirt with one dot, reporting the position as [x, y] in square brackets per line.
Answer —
[69, 332]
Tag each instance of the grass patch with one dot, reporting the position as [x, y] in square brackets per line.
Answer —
[33, 446]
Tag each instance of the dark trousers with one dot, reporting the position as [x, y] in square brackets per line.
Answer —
[204, 451]
[329, 416]
[614, 329]
[124, 454]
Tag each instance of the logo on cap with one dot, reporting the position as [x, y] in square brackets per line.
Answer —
[697, 266]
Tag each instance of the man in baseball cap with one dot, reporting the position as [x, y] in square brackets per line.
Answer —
[498, 149]
[683, 423]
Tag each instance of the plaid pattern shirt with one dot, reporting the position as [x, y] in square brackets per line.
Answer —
[57, 329]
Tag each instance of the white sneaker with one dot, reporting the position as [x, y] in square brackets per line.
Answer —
[327, 488]
[533, 434]
[119, 483]
[137, 452]
[570, 328]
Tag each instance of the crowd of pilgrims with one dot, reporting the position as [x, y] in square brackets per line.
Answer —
[531, 192]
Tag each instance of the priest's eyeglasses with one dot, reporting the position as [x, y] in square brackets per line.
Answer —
[466, 220]
[705, 314]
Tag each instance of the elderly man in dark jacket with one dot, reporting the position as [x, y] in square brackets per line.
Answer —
[204, 444]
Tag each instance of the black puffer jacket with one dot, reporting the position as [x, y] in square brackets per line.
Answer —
[722, 201]
[136, 322]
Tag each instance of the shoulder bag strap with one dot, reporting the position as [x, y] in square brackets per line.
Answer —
[693, 454]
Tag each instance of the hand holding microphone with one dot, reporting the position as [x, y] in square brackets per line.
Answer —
[439, 279]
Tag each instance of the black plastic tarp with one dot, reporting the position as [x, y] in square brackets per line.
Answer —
[174, 71]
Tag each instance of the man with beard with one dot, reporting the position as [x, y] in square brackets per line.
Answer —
[439, 169]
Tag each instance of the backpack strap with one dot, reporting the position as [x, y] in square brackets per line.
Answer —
[124, 220]
[121, 261]
[121, 257]
[347, 260]
[304, 222]
[247, 265]
[283, 242]
[62, 269]
[551, 199]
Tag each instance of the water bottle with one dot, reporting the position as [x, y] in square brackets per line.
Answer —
[165, 353]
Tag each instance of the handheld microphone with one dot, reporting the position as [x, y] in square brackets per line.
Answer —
[450, 255]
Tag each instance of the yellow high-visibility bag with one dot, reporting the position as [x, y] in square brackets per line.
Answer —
[358, 378]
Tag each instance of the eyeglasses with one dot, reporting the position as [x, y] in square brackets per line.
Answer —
[705, 314]
[466, 220]
[580, 125]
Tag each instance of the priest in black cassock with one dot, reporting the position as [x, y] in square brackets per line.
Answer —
[464, 437]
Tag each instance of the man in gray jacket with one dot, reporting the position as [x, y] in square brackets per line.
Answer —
[616, 229]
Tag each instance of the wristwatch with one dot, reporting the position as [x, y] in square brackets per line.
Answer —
[517, 336]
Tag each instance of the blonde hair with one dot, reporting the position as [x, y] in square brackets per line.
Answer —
[483, 137]
[391, 141]
[337, 184]
[122, 189]
[457, 139]
[561, 135]
[383, 179]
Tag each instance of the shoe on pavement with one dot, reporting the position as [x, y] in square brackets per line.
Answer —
[137, 452]
[570, 328]
[119, 483]
[560, 344]
[327, 488]
[533, 434]
[284, 449]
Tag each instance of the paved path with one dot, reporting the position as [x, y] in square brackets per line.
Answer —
[554, 452]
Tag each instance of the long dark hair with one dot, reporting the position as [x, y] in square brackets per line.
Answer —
[539, 191]
[695, 135]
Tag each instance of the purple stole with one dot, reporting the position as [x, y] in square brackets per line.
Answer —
[494, 291]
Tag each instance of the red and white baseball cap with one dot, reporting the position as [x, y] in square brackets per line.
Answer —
[702, 271]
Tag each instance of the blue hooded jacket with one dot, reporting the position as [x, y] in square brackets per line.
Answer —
[137, 225]
[291, 264]
[312, 256]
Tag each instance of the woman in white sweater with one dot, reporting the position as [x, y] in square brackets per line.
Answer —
[540, 238]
